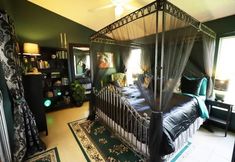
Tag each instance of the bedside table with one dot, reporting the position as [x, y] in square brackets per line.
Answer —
[220, 105]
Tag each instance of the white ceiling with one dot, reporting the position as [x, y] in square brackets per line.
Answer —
[89, 13]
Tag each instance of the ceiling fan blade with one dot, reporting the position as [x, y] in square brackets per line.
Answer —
[101, 8]
[130, 7]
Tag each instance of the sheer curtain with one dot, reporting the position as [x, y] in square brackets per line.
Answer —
[208, 59]
[179, 40]
[146, 57]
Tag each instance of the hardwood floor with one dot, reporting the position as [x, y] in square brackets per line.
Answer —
[206, 146]
[60, 135]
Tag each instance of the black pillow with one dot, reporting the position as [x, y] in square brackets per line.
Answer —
[189, 85]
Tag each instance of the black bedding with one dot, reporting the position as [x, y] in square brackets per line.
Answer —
[184, 111]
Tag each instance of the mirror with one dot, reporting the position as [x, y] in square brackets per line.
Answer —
[79, 60]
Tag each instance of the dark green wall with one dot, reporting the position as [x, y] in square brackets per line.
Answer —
[223, 26]
[5, 5]
[36, 24]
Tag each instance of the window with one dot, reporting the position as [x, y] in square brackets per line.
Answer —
[133, 65]
[226, 66]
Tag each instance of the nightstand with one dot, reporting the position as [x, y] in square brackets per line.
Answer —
[223, 106]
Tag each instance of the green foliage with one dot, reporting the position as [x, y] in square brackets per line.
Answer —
[78, 91]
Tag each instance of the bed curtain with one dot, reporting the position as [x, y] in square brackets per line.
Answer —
[166, 36]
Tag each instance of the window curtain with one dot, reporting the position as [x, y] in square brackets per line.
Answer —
[125, 57]
[26, 137]
[146, 57]
[5, 151]
[177, 49]
[208, 58]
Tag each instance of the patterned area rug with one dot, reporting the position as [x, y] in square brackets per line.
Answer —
[99, 144]
[46, 156]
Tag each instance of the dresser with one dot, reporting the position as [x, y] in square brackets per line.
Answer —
[34, 96]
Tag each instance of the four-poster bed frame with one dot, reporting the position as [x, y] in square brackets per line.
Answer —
[115, 110]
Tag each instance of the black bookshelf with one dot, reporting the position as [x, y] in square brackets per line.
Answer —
[53, 64]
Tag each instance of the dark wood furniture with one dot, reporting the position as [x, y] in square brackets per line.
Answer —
[53, 64]
[211, 104]
[34, 97]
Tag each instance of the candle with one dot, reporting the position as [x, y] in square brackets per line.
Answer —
[61, 40]
[65, 40]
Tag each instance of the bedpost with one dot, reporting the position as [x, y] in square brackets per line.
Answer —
[155, 137]
[92, 104]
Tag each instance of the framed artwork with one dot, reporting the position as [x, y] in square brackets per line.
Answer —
[105, 60]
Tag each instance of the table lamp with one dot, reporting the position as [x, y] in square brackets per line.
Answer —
[32, 50]
[221, 86]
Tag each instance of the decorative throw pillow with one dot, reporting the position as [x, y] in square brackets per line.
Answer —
[147, 81]
[190, 85]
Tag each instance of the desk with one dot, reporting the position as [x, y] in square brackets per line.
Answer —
[221, 105]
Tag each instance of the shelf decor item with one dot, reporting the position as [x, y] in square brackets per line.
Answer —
[63, 40]
[55, 70]
[78, 93]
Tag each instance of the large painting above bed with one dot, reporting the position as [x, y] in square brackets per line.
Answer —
[105, 60]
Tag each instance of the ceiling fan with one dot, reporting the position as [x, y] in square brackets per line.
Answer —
[120, 6]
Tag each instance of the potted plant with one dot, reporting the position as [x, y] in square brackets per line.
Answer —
[78, 92]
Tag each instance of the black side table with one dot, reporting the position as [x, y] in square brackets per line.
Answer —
[221, 105]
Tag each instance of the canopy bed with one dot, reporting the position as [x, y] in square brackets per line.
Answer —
[149, 117]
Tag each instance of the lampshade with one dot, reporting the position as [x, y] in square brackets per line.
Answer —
[221, 85]
[82, 48]
[31, 49]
